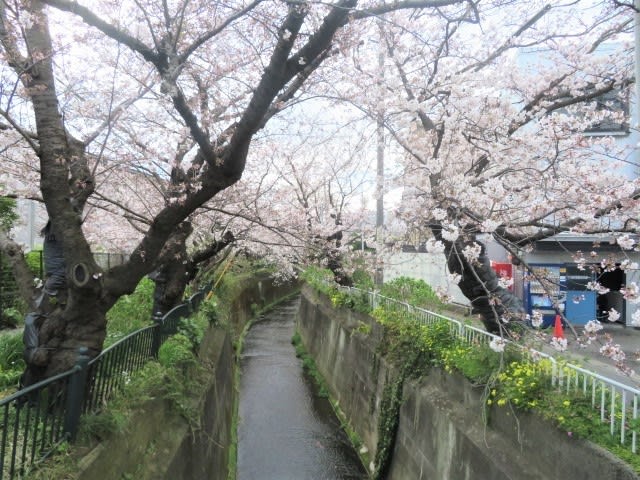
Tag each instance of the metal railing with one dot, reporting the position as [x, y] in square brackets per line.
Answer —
[106, 260]
[34, 421]
[37, 419]
[112, 369]
[616, 402]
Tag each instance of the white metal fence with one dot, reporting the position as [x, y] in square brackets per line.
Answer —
[617, 403]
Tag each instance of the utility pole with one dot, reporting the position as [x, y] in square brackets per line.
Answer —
[31, 223]
[636, 72]
[379, 273]
[629, 310]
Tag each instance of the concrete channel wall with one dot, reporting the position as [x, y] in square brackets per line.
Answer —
[160, 444]
[441, 433]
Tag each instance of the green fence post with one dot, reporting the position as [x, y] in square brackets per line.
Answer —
[157, 334]
[75, 394]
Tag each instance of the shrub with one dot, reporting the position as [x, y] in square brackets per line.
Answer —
[176, 352]
[320, 279]
[8, 213]
[209, 310]
[193, 329]
[362, 279]
[34, 261]
[13, 315]
[520, 383]
[412, 291]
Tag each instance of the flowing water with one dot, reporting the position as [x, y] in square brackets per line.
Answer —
[286, 432]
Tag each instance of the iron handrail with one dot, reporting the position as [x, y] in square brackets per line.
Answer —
[37, 386]
[34, 421]
[120, 341]
[47, 413]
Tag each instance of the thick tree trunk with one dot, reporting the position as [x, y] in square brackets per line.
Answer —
[334, 259]
[77, 318]
[334, 263]
[173, 275]
[61, 337]
[497, 307]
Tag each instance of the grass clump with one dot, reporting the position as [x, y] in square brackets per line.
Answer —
[11, 361]
[309, 365]
[61, 466]
[130, 312]
[176, 352]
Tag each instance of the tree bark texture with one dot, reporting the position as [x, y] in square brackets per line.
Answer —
[497, 307]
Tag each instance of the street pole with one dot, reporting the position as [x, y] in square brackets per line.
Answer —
[379, 273]
[636, 28]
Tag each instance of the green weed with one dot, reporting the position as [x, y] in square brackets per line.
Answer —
[11, 361]
[130, 312]
[309, 366]
[177, 352]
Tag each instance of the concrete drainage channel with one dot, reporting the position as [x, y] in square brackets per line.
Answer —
[285, 430]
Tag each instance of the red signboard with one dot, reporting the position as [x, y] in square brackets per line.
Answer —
[503, 270]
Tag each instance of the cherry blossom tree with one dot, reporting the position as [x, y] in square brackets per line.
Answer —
[495, 116]
[171, 93]
[318, 183]
[296, 201]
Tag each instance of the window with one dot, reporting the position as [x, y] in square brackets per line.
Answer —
[615, 105]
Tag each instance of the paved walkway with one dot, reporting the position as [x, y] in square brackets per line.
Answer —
[590, 357]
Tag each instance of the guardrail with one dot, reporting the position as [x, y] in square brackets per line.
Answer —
[37, 419]
[616, 402]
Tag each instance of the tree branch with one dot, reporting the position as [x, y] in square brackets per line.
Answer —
[213, 249]
[14, 256]
[212, 33]
[405, 5]
[109, 30]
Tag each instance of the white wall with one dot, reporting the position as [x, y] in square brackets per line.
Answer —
[33, 218]
[430, 267]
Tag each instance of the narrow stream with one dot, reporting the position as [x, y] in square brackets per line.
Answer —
[285, 431]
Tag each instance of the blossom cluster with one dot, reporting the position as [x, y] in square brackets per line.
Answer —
[559, 343]
[497, 344]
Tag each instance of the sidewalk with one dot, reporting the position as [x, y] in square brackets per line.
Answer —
[580, 354]
[590, 358]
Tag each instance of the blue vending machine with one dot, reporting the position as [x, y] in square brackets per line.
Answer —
[542, 290]
[564, 285]
[580, 306]
[580, 303]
